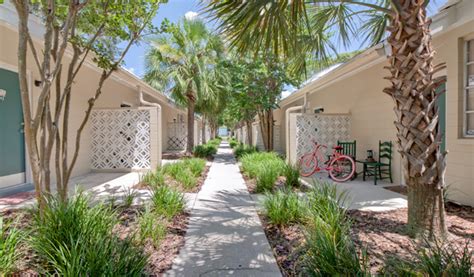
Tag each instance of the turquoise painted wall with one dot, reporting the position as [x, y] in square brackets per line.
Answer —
[12, 143]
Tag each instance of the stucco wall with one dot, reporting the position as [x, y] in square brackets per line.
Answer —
[120, 88]
[372, 111]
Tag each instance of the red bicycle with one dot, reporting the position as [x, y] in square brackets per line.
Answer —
[340, 167]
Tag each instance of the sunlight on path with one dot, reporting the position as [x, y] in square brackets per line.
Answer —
[225, 236]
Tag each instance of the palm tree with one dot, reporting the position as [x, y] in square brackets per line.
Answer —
[180, 63]
[290, 27]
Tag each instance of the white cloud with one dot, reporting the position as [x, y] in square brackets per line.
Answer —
[191, 15]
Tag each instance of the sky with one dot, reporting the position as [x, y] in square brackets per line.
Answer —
[175, 10]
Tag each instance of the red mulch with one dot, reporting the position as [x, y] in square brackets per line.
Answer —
[381, 234]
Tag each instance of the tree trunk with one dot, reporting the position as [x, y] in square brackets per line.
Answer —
[203, 131]
[266, 127]
[418, 133]
[248, 123]
[190, 139]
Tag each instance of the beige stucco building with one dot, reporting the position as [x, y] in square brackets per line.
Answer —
[355, 89]
[126, 99]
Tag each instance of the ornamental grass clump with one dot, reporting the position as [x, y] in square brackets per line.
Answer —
[167, 201]
[153, 178]
[329, 249]
[10, 238]
[283, 208]
[73, 238]
[252, 164]
[205, 150]
[433, 259]
[196, 166]
[266, 178]
[292, 175]
[151, 226]
[233, 143]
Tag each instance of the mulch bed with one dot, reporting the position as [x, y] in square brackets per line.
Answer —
[381, 234]
[286, 245]
[160, 258]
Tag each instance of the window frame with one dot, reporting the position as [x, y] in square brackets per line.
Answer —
[466, 87]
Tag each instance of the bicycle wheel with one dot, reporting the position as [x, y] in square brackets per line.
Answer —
[307, 164]
[342, 169]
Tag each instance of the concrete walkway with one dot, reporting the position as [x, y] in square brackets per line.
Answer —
[365, 196]
[225, 236]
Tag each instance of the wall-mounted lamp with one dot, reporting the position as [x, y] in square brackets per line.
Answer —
[38, 83]
[3, 94]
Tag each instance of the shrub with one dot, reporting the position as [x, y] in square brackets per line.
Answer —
[10, 238]
[204, 150]
[283, 208]
[151, 226]
[154, 178]
[266, 178]
[233, 143]
[329, 250]
[244, 149]
[292, 175]
[437, 259]
[74, 239]
[167, 201]
[196, 166]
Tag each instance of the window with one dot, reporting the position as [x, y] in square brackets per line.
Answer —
[469, 90]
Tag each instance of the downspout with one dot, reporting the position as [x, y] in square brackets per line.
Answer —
[158, 107]
[287, 123]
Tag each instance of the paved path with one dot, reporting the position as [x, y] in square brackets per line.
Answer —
[225, 236]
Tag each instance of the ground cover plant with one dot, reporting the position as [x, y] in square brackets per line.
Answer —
[313, 235]
[75, 239]
[10, 238]
[186, 175]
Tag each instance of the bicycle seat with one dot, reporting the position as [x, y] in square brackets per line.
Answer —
[337, 147]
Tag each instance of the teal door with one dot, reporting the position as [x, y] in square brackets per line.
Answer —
[442, 114]
[12, 143]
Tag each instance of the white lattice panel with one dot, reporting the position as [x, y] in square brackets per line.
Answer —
[121, 139]
[325, 129]
[177, 135]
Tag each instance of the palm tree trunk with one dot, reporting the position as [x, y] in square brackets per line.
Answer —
[190, 139]
[419, 137]
[203, 131]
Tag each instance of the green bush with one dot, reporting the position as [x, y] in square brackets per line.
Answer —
[10, 238]
[153, 178]
[167, 201]
[329, 249]
[283, 208]
[243, 149]
[204, 150]
[437, 259]
[151, 226]
[233, 143]
[292, 175]
[74, 239]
